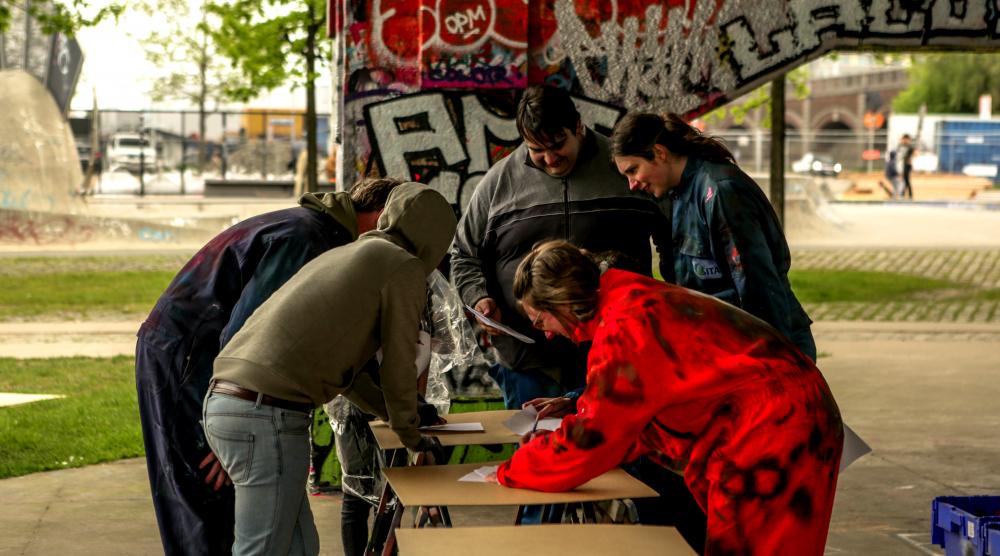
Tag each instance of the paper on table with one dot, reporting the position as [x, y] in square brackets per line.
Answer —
[522, 421]
[454, 427]
[479, 475]
[854, 447]
[501, 327]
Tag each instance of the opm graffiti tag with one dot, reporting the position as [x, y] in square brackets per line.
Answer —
[466, 23]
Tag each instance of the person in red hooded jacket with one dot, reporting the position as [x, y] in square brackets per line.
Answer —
[695, 384]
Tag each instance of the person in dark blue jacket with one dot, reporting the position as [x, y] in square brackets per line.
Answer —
[727, 240]
[203, 307]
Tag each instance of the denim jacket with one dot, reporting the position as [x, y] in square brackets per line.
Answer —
[728, 243]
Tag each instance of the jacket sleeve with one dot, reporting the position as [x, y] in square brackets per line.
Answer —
[366, 394]
[402, 302]
[282, 258]
[624, 393]
[466, 262]
[737, 227]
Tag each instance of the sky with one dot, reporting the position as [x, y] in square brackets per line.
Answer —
[116, 69]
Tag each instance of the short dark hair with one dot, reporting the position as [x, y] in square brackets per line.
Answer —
[544, 112]
[370, 194]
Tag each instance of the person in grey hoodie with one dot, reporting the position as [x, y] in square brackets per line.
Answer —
[308, 343]
[205, 305]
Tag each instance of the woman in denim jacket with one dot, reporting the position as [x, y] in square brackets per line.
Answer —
[727, 241]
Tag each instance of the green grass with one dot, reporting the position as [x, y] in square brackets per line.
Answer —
[831, 286]
[97, 421]
[81, 294]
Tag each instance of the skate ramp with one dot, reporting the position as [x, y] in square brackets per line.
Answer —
[808, 214]
[40, 174]
[39, 167]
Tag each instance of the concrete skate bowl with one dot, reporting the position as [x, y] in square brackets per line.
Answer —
[40, 173]
[39, 168]
[808, 215]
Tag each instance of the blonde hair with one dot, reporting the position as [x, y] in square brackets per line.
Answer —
[558, 275]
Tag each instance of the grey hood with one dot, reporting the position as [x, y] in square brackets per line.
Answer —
[420, 220]
[337, 206]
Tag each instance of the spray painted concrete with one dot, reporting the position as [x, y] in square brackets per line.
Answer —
[427, 88]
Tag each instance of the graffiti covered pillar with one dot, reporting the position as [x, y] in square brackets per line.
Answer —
[429, 86]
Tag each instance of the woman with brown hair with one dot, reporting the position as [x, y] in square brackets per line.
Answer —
[696, 385]
[727, 240]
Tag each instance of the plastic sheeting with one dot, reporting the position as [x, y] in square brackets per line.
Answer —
[453, 345]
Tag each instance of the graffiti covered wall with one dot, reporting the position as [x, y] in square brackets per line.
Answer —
[429, 86]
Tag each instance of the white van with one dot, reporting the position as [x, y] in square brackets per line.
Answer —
[129, 150]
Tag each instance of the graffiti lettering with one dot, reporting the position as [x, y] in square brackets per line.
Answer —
[40, 228]
[451, 43]
[465, 23]
[152, 234]
[416, 137]
[441, 72]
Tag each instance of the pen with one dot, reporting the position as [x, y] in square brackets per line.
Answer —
[534, 425]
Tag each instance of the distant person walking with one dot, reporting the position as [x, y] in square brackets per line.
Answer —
[905, 155]
[892, 175]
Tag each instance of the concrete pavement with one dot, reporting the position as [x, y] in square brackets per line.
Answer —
[923, 395]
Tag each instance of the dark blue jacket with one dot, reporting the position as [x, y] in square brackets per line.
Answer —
[728, 243]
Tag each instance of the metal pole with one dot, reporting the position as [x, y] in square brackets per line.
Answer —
[27, 34]
[778, 147]
[142, 156]
[225, 148]
[183, 148]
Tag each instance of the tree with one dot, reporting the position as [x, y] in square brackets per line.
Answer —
[184, 48]
[58, 17]
[950, 83]
[760, 98]
[274, 42]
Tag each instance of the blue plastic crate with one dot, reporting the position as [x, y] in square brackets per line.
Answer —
[959, 524]
[993, 540]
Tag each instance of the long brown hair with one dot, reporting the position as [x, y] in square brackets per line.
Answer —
[557, 274]
[637, 132]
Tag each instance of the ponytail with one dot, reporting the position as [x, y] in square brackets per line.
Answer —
[638, 132]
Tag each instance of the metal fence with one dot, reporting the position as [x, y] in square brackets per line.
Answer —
[166, 152]
[752, 149]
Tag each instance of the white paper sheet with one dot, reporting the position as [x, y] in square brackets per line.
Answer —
[522, 422]
[479, 475]
[501, 327]
[854, 448]
[454, 427]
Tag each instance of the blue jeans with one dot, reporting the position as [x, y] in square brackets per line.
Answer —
[265, 451]
[519, 387]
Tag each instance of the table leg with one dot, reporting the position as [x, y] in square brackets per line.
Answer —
[386, 504]
[390, 541]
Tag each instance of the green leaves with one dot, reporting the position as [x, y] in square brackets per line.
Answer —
[59, 17]
[269, 41]
[950, 83]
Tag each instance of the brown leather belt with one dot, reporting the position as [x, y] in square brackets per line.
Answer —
[237, 391]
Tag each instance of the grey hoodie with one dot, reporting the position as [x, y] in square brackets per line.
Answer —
[309, 341]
